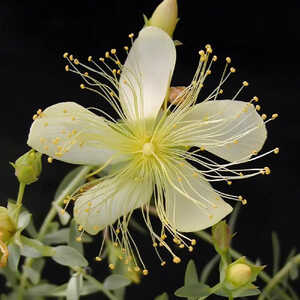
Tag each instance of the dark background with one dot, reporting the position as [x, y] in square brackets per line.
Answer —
[262, 39]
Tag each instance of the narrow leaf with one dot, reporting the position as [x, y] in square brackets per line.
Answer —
[13, 257]
[73, 288]
[191, 275]
[34, 248]
[276, 252]
[68, 256]
[115, 281]
[58, 237]
[193, 290]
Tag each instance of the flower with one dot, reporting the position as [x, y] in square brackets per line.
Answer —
[149, 149]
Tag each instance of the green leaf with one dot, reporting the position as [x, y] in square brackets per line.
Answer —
[58, 237]
[68, 256]
[73, 234]
[193, 290]
[208, 268]
[44, 289]
[276, 252]
[67, 179]
[34, 248]
[163, 296]
[115, 281]
[24, 219]
[13, 257]
[73, 288]
[191, 275]
[250, 290]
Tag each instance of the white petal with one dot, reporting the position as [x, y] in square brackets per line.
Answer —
[147, 73]
[67, 131]
[201, 208]
[110, 199]
[229, 129]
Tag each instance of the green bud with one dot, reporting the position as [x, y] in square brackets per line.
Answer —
[7, 225]
[240, 274]
[165, 16]
[221, 237]
[28, 167]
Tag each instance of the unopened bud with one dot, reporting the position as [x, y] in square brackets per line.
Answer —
[221, 236]
[7, 225]
[165, 16]
[239, 274]
[28, 167]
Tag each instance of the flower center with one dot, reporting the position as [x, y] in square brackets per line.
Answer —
[148, 149]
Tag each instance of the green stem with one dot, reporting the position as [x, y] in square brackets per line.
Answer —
[279, 275]
[20, 199]
[50, 216]
[100, 286]
[235, 254]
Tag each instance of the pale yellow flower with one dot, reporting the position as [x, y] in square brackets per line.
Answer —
[149, 149]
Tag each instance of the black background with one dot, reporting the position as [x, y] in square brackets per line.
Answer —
[260, 36]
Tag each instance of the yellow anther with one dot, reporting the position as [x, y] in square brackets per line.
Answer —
[190, 248]
[255, 98]
[111, 266]
[207, 46]
[114, 71]
[119, 72]
[78, 239]
[276, 150]
[214, 58]
[34, 117]
[90, 58]
[76, 61]
[241, 174]
[80, 228]
[145, 272]
[236, 141]
[117, 231]
[181, 246]
[221, 91]
[229, 182]
[176, 260]
[245, 83]
[163, 263]
[154, 244]
[131, 35]
[263, 116]
[193, 242]
[113, 51]
[202, 148]
[209, 50]
[240, 198]
[257, 107]
[65, 55]
[244, 201]
[86, 74]
[228, 60]
[176, 241]
[101, 59]
[163, 236]
[274, 116]
[71, 57]
[267, 170]
[201, 53]
[98, 258]
[208, 72]
[137, 269]
[50, 160]
[39, 111]
[126, 48]
[82, 86]
[107, 54]
[254, 152]
[66, 201]
[232, 70]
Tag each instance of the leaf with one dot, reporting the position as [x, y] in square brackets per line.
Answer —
[67, 179]
[250, 290]
[163, 296]
[73, 288]
[115, 281]
[68, 256]
[24, 219]
[34, 248]
[44, 289]
[36, 270]
[32, 274]
[193, 290]
[276, 252]
[73, 234]
[13, 257]
[208, 268]
[191, 275]
[294, 271]
[58, 237]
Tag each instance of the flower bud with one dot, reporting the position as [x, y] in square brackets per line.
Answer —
[7, 225]
[28, 167]
[221, 236]
[165, 16]
[239, 274]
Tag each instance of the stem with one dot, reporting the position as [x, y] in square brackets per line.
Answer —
[100, 286]
[235, 254]
[20, 199]
[50, 216]
[279, 275]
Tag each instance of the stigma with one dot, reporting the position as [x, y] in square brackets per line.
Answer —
[148, 149]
